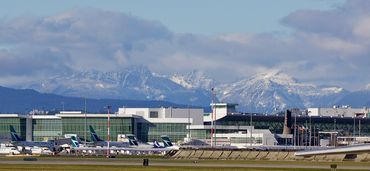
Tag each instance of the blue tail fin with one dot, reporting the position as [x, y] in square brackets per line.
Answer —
[156, 144]
[94, 136]
[132, 140]
[14, 135]
[74, 142]
[166, 141]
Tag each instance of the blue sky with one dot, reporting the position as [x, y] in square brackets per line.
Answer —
[184, 16]
[326, 42]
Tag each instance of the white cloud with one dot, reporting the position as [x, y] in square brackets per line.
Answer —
[325, 47]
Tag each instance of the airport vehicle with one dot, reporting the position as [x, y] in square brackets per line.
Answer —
[9, 150]
[41, 150]
[19, 142]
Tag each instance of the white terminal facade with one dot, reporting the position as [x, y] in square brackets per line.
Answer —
[226, 135]
[148, 124]
[159, 121]
[339, 111]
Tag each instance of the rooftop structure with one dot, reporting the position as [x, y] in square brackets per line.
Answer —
[154, 122]
[169, 115]
[240, 136]
[220, 110]
[339, 111]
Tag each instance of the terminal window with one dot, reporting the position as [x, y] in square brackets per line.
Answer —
[153, 114]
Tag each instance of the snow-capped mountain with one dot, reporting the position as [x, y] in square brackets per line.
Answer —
[266, 92]
[275, 91]
[135, 82]
[194, 80]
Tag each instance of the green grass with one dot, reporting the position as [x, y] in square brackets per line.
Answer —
[155, 159]
[30, 167]
[159, 159]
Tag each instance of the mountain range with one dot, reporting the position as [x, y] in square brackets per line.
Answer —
[267, 92]
[23, 101]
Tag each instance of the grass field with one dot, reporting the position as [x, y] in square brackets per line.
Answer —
[160, 159]
[134, 168]
[124, 163]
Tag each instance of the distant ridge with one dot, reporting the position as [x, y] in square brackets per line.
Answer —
[24, 100]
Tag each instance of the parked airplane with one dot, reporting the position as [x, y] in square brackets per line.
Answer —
[132, 141]
[18, 141]
[100, 142]
[165, 139]
[75, 145]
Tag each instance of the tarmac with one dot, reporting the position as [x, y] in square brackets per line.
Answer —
[177, 164]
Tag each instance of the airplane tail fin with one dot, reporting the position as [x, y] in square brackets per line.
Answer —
[156, 144]
[74, 142]
[166, 141]
[94, 136]
[132, 140]
[14, 135]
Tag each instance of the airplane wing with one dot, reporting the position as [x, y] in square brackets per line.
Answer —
[337, 150]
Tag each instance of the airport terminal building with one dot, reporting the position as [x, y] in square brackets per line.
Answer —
[148, 124]
[224, 126]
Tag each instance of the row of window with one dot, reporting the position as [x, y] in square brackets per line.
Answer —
[151, 131]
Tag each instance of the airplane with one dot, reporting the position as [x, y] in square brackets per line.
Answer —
[353, 149]
[166, 143]
[18, 141]
[165, 139]
[132, 140]
[133, 143]
[75, 145]
[97, 141]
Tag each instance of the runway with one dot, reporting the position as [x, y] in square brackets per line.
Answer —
[177, 164]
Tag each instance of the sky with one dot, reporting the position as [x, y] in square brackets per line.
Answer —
[325, 42]
[207, 17]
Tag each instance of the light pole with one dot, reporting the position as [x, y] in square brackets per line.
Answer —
[85, 123]
[314, 136]
[354, 126]
[310, 131]
[305, 134]
[359, 128]
[108, 148]
[250, 123]
[295, 132]
[213, 120]
[189, 124]
[215, 115]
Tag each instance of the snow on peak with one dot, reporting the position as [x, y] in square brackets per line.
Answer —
[276, 90]
[193, 80]
[264, 92]
[276, 76]
[367, 87]
[135, 82]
